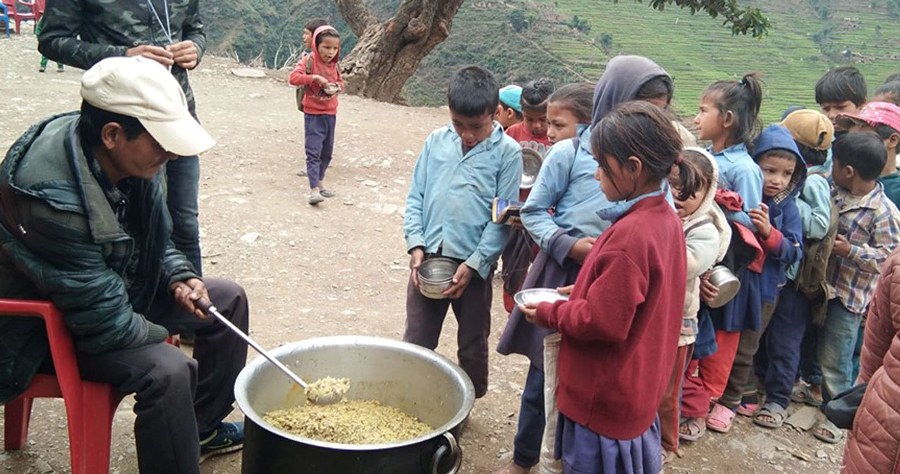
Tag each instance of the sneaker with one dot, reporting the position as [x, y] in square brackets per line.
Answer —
[42, 69]
[227, 438]
[327, 193]
[302, 173]
[315, 197]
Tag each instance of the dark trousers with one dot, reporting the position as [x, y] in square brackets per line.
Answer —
[742, 367]
[178, 398]
[425, 318]
[778, 357]
[182, 199]
[319, 130]
[530, 432]
[810, 371]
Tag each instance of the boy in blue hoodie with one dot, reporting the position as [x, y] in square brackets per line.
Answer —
[461, 169]
[780, 233]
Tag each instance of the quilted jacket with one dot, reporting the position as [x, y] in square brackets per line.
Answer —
[874, 444]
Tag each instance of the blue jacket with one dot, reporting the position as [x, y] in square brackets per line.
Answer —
[738, 173]
[449, 203]
[784, 246]
[567, 185]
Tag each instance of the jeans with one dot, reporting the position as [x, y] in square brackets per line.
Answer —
[183, 183]
[837, 340]
[530, 431]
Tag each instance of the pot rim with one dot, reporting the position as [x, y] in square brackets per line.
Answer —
[256, 364]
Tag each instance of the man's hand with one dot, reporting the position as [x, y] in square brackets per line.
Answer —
[581, 249]
[460, 281]
[185, 54]
[416, 257]
[156, 53]
[760, 219]
[187, 292]
[841, 246]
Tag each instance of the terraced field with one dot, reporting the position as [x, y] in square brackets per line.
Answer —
[696, 50]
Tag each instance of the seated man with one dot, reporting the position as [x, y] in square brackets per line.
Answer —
[83, 223]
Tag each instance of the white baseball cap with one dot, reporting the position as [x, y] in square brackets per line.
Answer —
[144, 89]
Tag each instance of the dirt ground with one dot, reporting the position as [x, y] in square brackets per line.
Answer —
[339, 268]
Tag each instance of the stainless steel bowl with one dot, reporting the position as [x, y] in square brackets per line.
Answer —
[435, 276]
[726, 282]
[531, 166]
[405, 376]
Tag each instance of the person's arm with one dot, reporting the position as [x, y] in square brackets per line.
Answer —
[68, 266]
[494, 236]
[413, 217]
[192, 30]
[814, 205]
[791, 248]
[548, 189]
[747, 182]
[59, 38]
[702, 249]
[869, 256]
[607, 311]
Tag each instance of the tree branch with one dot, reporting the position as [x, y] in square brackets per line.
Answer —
[356, 15]
[742, 20]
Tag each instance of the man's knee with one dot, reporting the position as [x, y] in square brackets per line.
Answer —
[171, 372]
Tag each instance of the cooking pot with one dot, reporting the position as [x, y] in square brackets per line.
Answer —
[726, 282]
[402, 375]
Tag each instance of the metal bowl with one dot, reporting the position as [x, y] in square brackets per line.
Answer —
[726, 282]
[435, 276]
[531, 166]
[402, 375]
[538, 295]
[331, 88]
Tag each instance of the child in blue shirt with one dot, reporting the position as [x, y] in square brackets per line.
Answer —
[461, 169]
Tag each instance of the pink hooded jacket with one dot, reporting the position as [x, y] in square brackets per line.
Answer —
[316, 101]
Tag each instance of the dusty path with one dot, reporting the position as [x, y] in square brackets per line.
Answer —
[340, 268]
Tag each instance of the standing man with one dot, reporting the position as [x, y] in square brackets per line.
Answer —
[80, 33]
[83, 223]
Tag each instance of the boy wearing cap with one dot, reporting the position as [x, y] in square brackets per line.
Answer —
[882, 118]
[509, 110]
[83, 223]
[80, 33]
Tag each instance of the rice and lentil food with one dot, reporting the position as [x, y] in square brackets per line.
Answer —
[327, 390]
[348, 422]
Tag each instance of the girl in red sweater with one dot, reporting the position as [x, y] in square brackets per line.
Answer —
[621, 324]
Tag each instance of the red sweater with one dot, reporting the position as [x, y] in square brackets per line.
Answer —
[621, 324]
[520, 133]
[315, 100]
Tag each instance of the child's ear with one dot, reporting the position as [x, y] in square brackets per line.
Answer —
[635, 164]
[892, 142]
[728, 119]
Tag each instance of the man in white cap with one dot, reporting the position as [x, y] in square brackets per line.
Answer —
[84, 224]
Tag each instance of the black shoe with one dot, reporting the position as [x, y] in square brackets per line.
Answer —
[227, 438]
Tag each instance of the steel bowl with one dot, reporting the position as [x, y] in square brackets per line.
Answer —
[435, 276]
[402, 375]
[531, 166]
[727, 283]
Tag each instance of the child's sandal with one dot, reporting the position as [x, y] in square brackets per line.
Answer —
[720, 419]
[692, 429]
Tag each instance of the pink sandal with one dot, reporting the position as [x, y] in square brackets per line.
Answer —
[747, 409]
[720, 419]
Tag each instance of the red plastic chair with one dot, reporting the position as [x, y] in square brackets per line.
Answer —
[18, 16]
[90, 406]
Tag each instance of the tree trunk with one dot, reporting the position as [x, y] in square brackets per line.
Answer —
[388, 53]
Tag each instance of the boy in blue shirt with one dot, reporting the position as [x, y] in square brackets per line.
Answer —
[461, 169]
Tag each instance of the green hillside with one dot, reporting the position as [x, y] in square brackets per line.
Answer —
[523, 39]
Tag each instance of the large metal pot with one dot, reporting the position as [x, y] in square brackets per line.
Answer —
[411, 378]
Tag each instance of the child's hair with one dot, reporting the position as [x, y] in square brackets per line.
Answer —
[885, 131]
[659, 86]
[535, 94]
[315, 24]
[695, 173]
[743, 99]
[812, 156]
[641, 129]
[864, 151]
[779, 153]
[840, 84]
[893, 77]
[889, 92]
[473, 92]
[329, 33]
[577, 98]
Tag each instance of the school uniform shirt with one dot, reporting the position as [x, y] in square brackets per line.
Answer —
[739, 173]
[566, 184]
[871, 224]
[448, 208]
[621, 325]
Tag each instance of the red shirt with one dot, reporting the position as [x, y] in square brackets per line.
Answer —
[521, 134]
[621, 324]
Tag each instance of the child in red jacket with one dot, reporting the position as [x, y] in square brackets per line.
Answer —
[621, 324]
[322, 83]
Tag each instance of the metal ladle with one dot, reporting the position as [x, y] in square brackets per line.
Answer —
[319, 397]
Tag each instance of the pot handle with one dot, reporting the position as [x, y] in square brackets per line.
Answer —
[453, 447]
